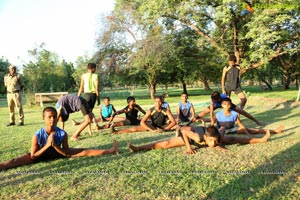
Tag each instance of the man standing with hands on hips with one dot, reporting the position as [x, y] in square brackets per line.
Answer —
[14, 86]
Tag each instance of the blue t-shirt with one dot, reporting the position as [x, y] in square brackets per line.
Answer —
[165, 105]
[42, 136]
[69, 104]
[184, 110]
[219, 104]
[106, 111]
[226, 121]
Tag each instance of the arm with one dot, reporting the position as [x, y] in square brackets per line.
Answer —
[141, 109]
[172, 121]
[144, 122]
[241, 126]
[35, 151]
[178, 113]
[81, 86]
[187, 143]
[114, 114]
[97, 91]
[63, 151]
[100, 110]
[58, 117]
[192, 110]
[211, 112]
[223, 80]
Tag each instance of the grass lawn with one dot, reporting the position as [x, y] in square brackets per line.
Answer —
[259, 171]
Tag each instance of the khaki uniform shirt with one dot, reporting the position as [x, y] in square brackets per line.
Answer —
[13, 83]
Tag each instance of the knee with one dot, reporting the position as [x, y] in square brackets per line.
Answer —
[165, 145]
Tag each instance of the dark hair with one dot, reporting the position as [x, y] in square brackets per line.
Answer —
[184, 93]
[106, 98]
[232, 58]
[216, 96]
[226, 99]
[130, 98]
[212, 131]
[159, 97]
[91, 66]
[49, 109]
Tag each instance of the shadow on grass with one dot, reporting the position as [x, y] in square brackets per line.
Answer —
[274, 180]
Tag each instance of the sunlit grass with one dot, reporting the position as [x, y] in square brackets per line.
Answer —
[260, 171]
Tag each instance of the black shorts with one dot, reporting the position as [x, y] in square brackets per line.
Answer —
[49, 154]
[134, 122]
[91, 99]
[84, 107]
[236, 90]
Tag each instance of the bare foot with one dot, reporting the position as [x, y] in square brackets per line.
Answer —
[279, 129]
[74, 122]
[131, 148]
[75, 138]
[266, 136]
[114, 148]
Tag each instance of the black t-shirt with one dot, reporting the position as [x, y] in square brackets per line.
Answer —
[158, 119]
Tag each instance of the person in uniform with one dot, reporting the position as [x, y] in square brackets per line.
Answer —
[14, 86]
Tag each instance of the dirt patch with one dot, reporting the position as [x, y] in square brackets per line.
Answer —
[274, 102]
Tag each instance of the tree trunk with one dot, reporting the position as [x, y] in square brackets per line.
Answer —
[286, 79]
[260, 76]
[183, 87]
[152, 90]
[205, 84]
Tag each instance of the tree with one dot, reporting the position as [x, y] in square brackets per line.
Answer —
[3, 70]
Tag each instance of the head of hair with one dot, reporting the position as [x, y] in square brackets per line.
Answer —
[159, 97]
[232, 58]
[106, 98]
[130, 98]
[49, 109]
[184, 93]
[226, 99]
[212, 131]
[215, 95]
[91, 66]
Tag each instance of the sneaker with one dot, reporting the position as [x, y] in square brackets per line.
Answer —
[21, 124]
[11, 124]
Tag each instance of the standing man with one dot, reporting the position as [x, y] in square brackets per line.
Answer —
[89, 85]
[14, 86]
[231, 81]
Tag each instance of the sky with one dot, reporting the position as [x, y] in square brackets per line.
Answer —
[67, 27]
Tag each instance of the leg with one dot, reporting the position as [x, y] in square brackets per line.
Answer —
[75, 123]
[127, 130]
[16, 162]
[261, 131]
[246, 114]
[167, 144]
[228, 139]
[243, 99]
[74, 152]
[11, 107]
[82, 126]
[202, 114]
[18, 102]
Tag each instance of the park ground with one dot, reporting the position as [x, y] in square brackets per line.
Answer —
[259, 171]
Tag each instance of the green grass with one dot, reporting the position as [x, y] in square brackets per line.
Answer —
[259, 171]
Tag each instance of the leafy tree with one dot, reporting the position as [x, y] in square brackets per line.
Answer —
[3, 70]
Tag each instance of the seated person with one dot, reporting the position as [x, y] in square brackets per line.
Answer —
[106, 111]
[50, 143]
[215, 103]
[185, 110]
[158, 117]
[131, 112]
[198, 136]
[164, 103]
[226, 119]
